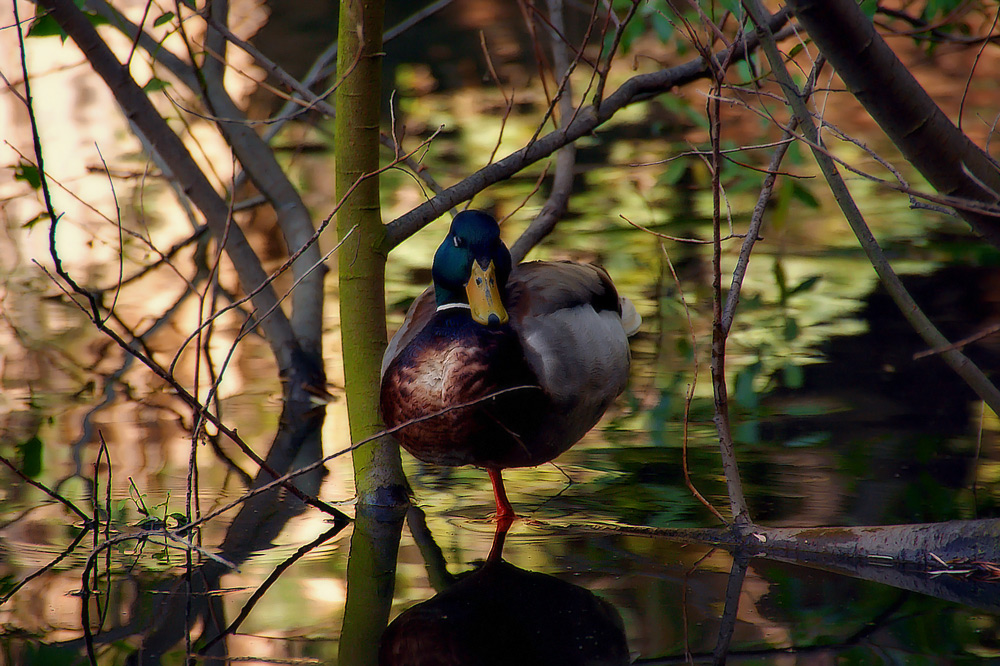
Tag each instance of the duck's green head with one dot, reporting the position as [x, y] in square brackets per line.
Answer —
[472, 266]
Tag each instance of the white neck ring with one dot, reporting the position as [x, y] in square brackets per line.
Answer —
[453, 306]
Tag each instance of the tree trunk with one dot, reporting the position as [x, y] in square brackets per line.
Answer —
[378, 472]
[260, 163]
[946, 157]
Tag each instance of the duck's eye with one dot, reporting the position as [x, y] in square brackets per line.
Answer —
[457, 241]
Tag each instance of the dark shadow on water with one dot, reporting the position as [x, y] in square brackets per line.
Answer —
[900, 423]
[499, 614]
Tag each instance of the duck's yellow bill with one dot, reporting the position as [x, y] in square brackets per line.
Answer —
[484, 296]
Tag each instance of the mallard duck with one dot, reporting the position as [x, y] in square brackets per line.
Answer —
[500, 366]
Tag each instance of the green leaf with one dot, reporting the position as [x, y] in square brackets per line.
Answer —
[675, 171]
[937, 8]
[748, 69]
[46, 26]
[632, 32]
[29, 453]
[803, 195]
[155, 85]
[805, 285]
[868, 7]
[166, 17]
[735, 7]
[97, 20]
[745, 394]
[791, 330]
[747, 432]
[29, 174]
[781, 281]
[151, 523]
[35, 220]
[179, 518]
[663, 28]
[792, 375]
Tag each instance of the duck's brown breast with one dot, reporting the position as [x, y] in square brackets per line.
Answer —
[470, 394]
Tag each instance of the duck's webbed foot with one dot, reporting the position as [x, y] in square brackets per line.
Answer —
[505, 512]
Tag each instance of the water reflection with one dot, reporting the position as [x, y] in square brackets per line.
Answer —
[679, 602]
[501, 614]
[882, 431]
[151, 615]
[371, 576]
[897, 445]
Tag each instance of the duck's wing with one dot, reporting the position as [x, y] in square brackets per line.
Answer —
[421, 311]
[543, 287]
[569, 319]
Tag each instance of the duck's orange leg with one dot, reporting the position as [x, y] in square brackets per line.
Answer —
[496, 550]
[505, 512]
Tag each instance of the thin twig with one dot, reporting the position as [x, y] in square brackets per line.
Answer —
[268, 582]
[958, 203]
[964, 342]
[690, 394]
[508, 101]
[285, 479]
[45, 489]
[562, 182]
[730, 468]
[757, 216]
[192, 401]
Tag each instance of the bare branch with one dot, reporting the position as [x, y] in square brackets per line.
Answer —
[171, 149]
[757, 217]
[902, 108]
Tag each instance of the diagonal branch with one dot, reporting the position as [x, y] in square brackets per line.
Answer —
[960, 363]
[259, 161]
[757, 217]
[636, 89]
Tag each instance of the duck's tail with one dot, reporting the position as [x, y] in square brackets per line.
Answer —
[630, 317]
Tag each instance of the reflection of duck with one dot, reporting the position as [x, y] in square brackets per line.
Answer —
[555, 326]
[500, 614]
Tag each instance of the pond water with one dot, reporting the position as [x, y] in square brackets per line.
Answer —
[836, 423]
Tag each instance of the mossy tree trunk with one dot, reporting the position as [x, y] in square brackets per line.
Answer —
[378, 471]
